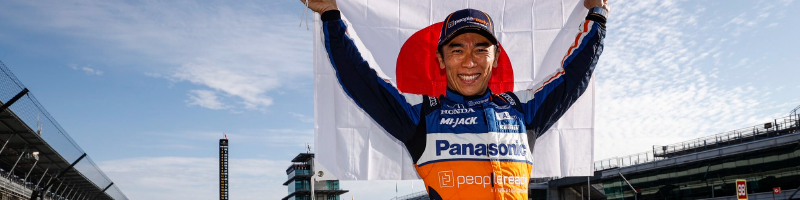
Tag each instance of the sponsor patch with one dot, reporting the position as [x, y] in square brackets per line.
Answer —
[503, 116]
[459, 121]
[457, 111]
[509, 127]
[473, 103]
[433, 101]
[446, 179]
[490, 149]
[508, 98]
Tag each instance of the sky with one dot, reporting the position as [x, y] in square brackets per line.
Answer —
[148, 87]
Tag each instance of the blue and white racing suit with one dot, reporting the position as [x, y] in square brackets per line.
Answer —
[463, 147]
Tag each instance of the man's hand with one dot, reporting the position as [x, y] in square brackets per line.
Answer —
[320, 6]
[589, 4]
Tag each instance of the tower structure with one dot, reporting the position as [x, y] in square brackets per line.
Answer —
[304, 184]
[223, 168]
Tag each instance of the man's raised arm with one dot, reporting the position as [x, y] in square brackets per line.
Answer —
[397, 113]
[546, 102]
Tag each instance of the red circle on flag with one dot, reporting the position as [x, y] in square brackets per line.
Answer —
[418, 69]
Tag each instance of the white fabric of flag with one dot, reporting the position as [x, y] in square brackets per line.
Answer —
[535, 35]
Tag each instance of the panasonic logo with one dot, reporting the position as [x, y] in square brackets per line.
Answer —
[491, 149]
[457, 111]
[459, 121]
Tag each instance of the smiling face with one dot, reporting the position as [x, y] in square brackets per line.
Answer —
[468, 60]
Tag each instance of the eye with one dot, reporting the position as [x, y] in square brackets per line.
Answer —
[456, 51]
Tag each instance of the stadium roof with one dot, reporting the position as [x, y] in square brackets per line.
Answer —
[36, 150]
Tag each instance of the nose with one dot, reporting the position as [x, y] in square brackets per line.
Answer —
[469, 61]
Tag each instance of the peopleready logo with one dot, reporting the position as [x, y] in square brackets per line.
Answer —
[449, 179]
[467, 19]
[459, 121]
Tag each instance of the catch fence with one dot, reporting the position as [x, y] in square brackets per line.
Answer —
[33, 114]
[777, 127]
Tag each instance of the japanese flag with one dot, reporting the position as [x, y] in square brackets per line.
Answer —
[395, 35]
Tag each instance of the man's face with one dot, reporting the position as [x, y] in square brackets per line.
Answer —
[468, 61]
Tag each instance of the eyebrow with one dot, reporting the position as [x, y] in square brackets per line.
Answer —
[453, 45]
[483, 44]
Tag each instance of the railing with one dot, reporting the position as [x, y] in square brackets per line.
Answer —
[33, 114]
[542, 179]
[296, 167]
[15, 185]
[772, 129]
[416, 195]
[752, 133]
[299, 172]
[624, 161]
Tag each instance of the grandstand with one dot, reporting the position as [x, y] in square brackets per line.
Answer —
[38, 159]
[767, 156]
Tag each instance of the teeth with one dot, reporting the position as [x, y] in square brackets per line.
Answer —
[469, 78]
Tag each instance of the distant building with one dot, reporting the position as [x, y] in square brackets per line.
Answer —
[301, 173]
[766, 156]
[223, 168]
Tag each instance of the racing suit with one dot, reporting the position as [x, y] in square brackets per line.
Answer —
[467, 147]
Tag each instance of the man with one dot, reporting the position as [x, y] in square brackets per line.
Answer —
[469, 143]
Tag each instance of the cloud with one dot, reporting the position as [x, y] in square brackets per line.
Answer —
[196, 177]
[276, 138]
[250, 87]
[658, 80]
[87, 70]
[205, 98]
[756, 16]
[302, 117]
[250, 138]
[241, 49]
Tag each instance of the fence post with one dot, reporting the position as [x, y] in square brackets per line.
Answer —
[13, 100]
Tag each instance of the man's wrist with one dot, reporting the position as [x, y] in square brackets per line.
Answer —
[331, 15]
[598, 14]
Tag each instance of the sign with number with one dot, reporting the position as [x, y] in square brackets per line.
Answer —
[741, 189]
[776, 190]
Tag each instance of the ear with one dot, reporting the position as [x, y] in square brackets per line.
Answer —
[496, 56]
[440, 58]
